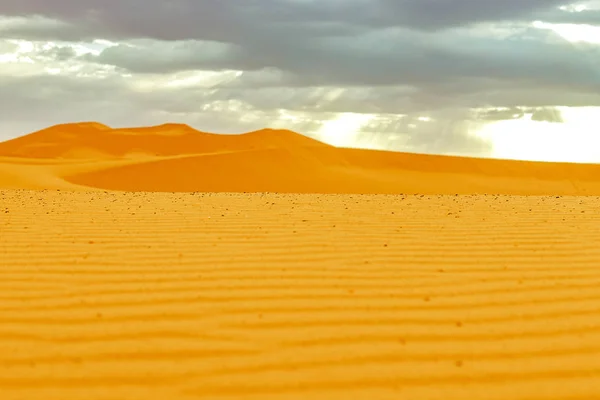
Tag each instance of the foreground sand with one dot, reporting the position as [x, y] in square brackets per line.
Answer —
[186, 296]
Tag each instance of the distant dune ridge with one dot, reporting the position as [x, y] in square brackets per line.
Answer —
[176, 157]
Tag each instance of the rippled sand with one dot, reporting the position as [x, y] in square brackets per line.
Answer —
[259, 296]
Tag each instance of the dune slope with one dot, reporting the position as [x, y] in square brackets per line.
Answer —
[175, 157]
[333, 170]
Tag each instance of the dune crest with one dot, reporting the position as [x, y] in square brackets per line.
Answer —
[177, 157]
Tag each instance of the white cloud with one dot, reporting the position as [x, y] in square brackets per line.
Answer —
[575, 140]
[574, 33]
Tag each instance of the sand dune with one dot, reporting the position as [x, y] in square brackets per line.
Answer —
[266, 296]
[145, 294]
[93, 140]
[175, 157]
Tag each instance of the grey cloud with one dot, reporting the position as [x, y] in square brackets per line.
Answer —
[535, 96]
[435, 14]
[546, 114]
[324, 44]
[163, 57]
[589, 17]
[500, 114]
[441, 68]
[58, 98]
[64, 53]
[58, 53]
[245, 20]
[176, 20]
[266, 77]
[391, 100]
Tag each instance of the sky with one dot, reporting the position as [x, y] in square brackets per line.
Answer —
[516, 79]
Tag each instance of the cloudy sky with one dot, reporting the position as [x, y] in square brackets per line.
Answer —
[508, 79]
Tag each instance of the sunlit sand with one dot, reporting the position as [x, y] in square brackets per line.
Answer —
[368, 275]
[173, 157]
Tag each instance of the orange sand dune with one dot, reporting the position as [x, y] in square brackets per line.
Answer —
[93, 140]
[144, 294]
[108, 295]
[175, 157]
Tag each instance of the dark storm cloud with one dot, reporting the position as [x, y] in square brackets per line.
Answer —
[472, 71]
[240, 21]
[374, 58]
[436, 14]
[334, 42]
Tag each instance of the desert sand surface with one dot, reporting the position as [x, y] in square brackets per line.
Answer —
[177, 158]
[295, 296]
[107, 292]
